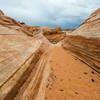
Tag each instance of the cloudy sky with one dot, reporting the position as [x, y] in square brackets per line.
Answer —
[50, 13]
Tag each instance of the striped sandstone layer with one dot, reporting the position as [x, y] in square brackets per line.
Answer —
[85, 41]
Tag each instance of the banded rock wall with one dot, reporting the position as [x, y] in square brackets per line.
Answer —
[24, 65]
[84, 42]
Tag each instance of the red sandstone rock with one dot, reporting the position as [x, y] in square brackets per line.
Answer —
[23, 61]
[90, 27]
[85, 41]
[58, 29]
[54, 35]
[12, 23]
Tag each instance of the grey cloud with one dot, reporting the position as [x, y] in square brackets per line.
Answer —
[51, 13]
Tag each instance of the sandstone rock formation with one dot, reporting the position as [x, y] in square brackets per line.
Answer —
[54, 35]
[58, 29]
[85, 41]
[69, 31]
[12, 23]
[23, 62]
[90, 27]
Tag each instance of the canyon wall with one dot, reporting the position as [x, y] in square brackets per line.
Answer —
[24, 61]
[84, 42]
[90, 27]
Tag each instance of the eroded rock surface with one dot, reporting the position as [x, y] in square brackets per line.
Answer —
[26, 54]
[85, 41]
[90, 27]
[86, 49]
[13, 24]
[23, 61]
[54, 35]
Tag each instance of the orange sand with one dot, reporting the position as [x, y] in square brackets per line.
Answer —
[70, 79]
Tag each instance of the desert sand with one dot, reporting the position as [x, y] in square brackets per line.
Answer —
[71, 79]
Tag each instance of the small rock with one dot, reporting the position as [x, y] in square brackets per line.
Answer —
[50, 88]
[61, 90]
[85, 73]
[92, 72]
[61, 79]
[75, 58]
[92, 80]
[76, 92]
